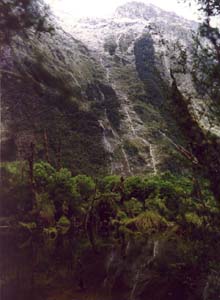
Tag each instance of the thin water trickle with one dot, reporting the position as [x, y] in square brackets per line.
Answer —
[126, 161]
[153, 159]
[129, 123]
[156, 249]
[205, 292]
[106, 143]
[136, 280]
[152, 156]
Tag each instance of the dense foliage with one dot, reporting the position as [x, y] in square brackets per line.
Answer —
[206, 51]
[165, 223]
[113, 210]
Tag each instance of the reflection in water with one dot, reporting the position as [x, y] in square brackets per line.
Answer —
[16, 267]
[30, 264]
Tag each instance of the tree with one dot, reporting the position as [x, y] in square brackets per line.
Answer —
[43, 174]
[209, 7]
[204, 66]
[135, 187]
[206, 51]
[62, 187]
[85, 186]
[110, 183]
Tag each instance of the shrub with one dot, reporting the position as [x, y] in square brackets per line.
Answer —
[110, 183]
[43, 173]
[84, 185]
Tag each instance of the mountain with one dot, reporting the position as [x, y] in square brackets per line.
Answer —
[107, 95]
[100, 97]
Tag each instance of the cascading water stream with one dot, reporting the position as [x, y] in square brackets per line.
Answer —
[126, 161]
[113, 85]
[154, 163]
[130, 122]
[212, 286]
[131, 119]
[110, 260]
[153, 159]
[106, 143]
[122, 96]
[156, 249]
[205, 292]
[141, 270]
[107, 71]
[136, 281]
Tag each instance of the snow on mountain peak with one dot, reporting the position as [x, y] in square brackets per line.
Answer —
[137, 10]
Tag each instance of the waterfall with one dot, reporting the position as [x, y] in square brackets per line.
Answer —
[108, 74]
[212, 287]
[118, 40]
[111, 271]
[136, 280]
[152, 156]
[106, 143]
[126, 161]
[153, 159]
[130, 121]
[155, 253]
[102, 94]
[128, 117]
[205, 292]
[141, 269]
[127, 109]
[120, 95]
[132, 129]
[128, 247]
[156, 249]
[107, 71]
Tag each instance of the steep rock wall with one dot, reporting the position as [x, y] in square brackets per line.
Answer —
[108, 106]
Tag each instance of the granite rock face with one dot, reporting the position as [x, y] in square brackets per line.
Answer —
[104, 90]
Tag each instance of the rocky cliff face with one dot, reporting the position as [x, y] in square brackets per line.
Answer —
[44, 84]
[103, 92]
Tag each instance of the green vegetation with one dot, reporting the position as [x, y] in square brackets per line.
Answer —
[87, 216]
[59, 195]
[144, 236]
[206, 58]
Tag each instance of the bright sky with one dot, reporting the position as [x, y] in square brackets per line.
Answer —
[102, 8]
